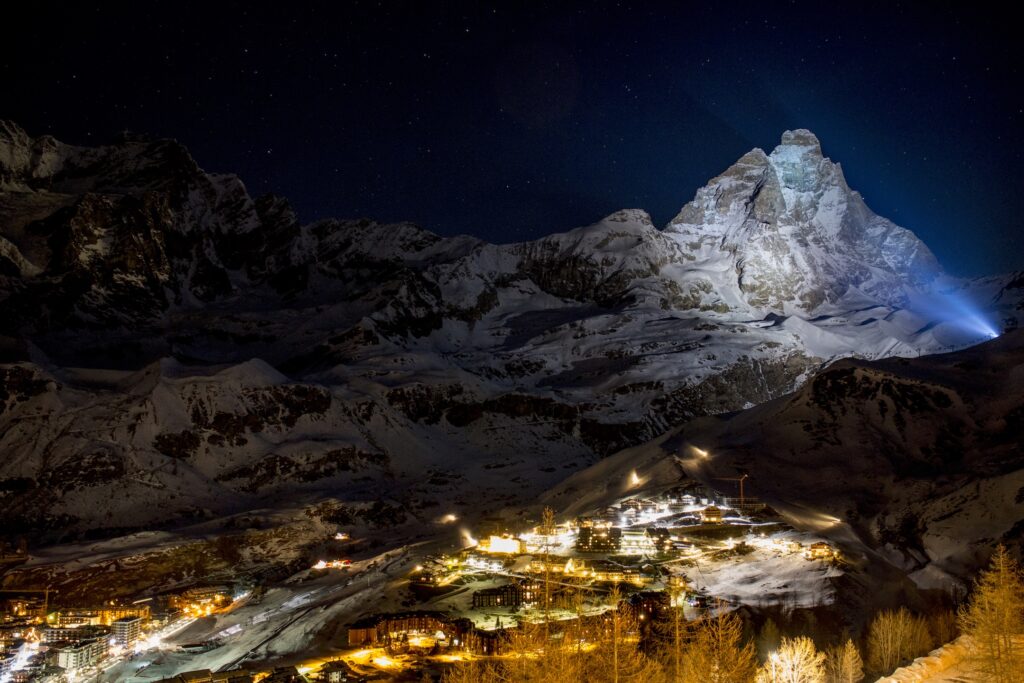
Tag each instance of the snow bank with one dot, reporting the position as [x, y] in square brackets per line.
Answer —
[946, 663]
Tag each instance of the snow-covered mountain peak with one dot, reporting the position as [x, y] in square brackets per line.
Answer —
[617, 232]
[801, 137]
[800, 165]
[636, 216]
[11, 135]
[130, 163]
[21, 157]
[796, 235]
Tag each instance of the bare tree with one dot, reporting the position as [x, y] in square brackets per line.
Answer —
[943, 626]
[896, 637]
[843, 664]
[796, 661]
[921, 640]
[994, 620]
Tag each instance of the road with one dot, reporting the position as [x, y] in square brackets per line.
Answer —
[165, 632]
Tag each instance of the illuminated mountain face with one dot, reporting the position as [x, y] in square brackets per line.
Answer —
[796, 235]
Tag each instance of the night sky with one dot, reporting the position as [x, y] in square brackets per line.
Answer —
[515, 121]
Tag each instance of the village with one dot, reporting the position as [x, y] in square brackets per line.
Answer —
[40, 643]
[690, 547]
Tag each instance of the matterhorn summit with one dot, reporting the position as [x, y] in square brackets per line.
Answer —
[797, 237]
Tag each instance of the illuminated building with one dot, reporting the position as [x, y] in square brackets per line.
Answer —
[32, 670]
[10, 633]
[557, 565]
[24, 607]
[509, 595]
[111, 613]
[560, 537]
[202, 599]
[336, 672]
[648, 604]
[661, 539]
[646, 506]
[72, 618]
[501, 545]
[383, 628]
[636, 543]
[685, 501]
[64, 635]
[484, 562]
[284, 674]
[204, 593]
[597, 570]
[126, 630]
[104, 615]
[598, 539]
[711, 515]
[81, 655]
[207, 676]
[819, 551]
[610, 572]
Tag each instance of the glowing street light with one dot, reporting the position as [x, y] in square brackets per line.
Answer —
[384, 662]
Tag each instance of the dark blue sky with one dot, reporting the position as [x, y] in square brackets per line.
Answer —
[511, 122]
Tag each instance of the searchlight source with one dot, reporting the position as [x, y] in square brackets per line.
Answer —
[957, 310]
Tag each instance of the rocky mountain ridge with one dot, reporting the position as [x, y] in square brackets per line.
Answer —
[165, 331]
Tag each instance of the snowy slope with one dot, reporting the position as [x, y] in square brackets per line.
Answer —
[916, 463]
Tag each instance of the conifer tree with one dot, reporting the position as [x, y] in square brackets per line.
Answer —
[617, 657]
[717, 652]
[843, 664]
[768, 638]
[994, 620]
